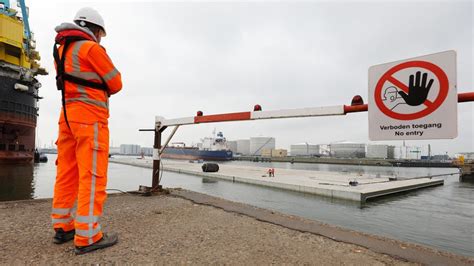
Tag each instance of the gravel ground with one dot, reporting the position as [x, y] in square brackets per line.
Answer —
[169, 230]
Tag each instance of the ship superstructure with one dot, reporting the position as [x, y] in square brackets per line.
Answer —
[19, 67]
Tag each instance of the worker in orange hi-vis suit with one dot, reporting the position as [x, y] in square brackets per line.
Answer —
[86, 77]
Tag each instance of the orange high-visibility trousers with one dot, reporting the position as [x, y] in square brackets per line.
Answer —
[83, 151]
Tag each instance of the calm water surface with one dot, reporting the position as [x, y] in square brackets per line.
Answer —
[442, 217]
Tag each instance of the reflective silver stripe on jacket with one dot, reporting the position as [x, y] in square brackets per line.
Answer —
[88, 233]
[76, 66]
[82, 91]
[111, 75]
[76, 71]
[89, 101]
[87, 219]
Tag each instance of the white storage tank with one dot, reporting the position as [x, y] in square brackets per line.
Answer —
[347, 150]
[259, 143]
[232, 145]
[243, 146]
[304, 149]
[380, 151]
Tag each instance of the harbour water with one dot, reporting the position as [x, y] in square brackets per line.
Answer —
[442, 217]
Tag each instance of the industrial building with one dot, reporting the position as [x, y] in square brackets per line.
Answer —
[130, 149]
[408, 152]
[347, 150]
[114, 150]
[259, 143]
[243, 146]
[380, 151]
[147, 151]
[467, 155]
[274, 152]
[305, 149]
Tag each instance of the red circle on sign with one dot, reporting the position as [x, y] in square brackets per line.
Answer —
[443, 90]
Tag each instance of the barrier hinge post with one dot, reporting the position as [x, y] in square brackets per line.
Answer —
[156, 157]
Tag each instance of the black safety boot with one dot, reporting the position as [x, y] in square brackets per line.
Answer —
[63, 237]
[107, 240]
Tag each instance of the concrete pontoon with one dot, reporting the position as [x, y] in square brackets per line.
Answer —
[329, 184]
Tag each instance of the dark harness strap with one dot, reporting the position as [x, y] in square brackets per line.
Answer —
[62, 76]
[85, 82]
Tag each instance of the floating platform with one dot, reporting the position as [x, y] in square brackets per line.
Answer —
[329, 184]
[351, 161]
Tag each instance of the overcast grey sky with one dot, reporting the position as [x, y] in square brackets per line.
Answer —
[178, 58]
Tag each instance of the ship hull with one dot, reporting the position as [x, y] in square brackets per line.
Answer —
[196, 154]
[18, 114]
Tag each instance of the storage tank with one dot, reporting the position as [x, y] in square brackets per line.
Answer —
[243, 146]
[380, 151]
[304, 149]
[259, 143]
[232, 145]
[347, 150]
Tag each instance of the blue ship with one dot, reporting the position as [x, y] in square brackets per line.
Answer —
[210, 149]
[194, 153]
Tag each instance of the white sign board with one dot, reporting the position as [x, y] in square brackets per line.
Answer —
[414, 98]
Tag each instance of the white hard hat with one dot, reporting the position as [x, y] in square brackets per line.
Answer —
[90, 15]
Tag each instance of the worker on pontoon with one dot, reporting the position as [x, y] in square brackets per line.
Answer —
[86, 77]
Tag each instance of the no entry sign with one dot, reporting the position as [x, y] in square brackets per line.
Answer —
[414, 98]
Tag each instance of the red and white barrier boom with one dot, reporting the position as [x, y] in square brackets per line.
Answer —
[357, 105]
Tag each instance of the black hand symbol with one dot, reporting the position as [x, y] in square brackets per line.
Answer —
[418, 90]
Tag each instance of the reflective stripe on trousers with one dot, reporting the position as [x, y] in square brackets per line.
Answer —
[87, 219]
[89, 233]
[64, 213]
[94, 173]
[62, 220]
[61, 211]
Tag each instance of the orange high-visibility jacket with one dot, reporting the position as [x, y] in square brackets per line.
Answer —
[88, 60]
